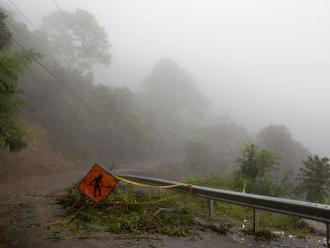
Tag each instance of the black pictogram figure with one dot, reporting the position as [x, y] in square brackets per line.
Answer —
[97, 181]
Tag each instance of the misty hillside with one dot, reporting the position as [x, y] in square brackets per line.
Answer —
[167, 120]
[52, 78]
[225, 100]
[37, 159]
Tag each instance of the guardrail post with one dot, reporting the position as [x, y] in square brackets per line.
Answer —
[318, 212]
[328, 234]
[211, 207]
[255, 220]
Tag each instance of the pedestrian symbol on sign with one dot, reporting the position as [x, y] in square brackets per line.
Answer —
[97, 184]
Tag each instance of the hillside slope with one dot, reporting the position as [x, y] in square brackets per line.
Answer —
[38, 158]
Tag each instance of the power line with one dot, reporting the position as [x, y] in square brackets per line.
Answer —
[34, 28]
[61, 13]
[69, 90]
[24, 49]
[36, 60]
[70, 26]
[22, 14]
[18, 30]
[67, 23]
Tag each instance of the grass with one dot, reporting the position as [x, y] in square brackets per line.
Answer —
[237, 214]
[212, 180]
[133, 211]
[129, 211]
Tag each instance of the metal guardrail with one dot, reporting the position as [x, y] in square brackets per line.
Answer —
[313, 211]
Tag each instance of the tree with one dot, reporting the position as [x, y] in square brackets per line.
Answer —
[277, 139]
[13, 64]
[174, 90]
[78, 39]
[173, 104]
[215, 148]
[198, 156]
[5, 35]
[254, 164]
[85, 120]
[314, 179]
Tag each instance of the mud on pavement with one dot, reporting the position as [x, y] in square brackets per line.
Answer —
[28, 210]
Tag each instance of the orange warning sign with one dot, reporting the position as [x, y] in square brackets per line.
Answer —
[98, 183]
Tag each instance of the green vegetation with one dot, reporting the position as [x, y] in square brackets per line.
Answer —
[85, 118]
[253, 175]
[89, 119]
[13, 64]
[212, 180]
[278, 140]
[230, 213]
[173, 105]
[214, 148]
[256, 162]
[314, 179]
[80, 42]
[166, 121]
[160, 211]
[129, 211]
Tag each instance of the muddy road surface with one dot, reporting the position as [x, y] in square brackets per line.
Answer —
[28, 211]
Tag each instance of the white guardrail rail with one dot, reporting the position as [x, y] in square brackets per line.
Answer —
[308, 210]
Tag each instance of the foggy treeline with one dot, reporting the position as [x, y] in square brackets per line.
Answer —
[98, 96]
[167, 119]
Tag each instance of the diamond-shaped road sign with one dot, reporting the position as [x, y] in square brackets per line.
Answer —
[98, 183]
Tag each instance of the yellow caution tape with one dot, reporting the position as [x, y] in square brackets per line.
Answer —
[146, 185]
[62, 221]
[166, 199]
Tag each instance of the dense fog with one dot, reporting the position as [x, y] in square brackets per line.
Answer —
[259, 62]
[184, 81]
[100, 99]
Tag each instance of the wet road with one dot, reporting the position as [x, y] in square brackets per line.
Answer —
[27, 209]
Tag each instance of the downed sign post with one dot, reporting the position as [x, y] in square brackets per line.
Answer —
[98, 183]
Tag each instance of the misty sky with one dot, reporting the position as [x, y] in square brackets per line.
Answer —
[261, 62]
